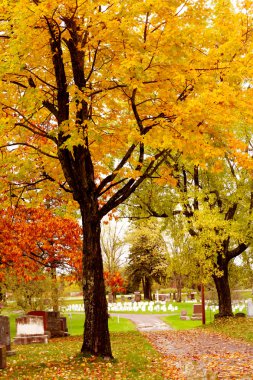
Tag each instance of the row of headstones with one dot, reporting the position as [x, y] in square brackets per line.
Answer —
[137, 297]
[197, 311]
[35, 327]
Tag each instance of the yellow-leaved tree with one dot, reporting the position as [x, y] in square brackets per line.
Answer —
[95, 95]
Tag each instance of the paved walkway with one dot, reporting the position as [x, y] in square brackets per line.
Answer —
[197, 354]
[200, 354]
[146, 322]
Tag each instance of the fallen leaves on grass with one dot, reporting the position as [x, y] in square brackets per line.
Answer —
[60, 359]
[199, 354]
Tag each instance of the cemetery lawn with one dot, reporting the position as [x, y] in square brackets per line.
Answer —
[75, 323]
[239, 328]
[60, 359]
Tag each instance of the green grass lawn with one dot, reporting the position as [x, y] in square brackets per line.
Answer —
[60, 359]
[134, 357]
[178, 324]
[240, 328]
[76, 322]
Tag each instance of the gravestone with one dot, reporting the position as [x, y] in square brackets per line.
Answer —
[5, 336]
[250, 308]
[197, 312]
[54, 324]
[2, 357]
[110, 298]
[184, 315]
[30, 329]
[64, 327]
[137, 296]
[42, 314]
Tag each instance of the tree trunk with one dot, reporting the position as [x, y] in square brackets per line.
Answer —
[96, 339]
[223, 290]
[179, 288]
[54, 290]
[147, 289]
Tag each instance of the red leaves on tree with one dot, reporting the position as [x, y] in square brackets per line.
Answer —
[31, 238]
[115, 282]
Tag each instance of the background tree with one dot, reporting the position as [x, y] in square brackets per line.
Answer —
[113, 247]
[147, 258]
[33, 294]
[96, 96]
[182, 269]
[34, 241]
[216, 202]
[115, 283]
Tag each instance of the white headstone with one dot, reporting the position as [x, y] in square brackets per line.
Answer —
[250, 308]
[30, 325]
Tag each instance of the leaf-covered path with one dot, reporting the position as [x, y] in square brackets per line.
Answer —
[146, 322]
[200, 354]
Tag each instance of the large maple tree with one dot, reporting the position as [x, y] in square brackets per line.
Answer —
[96, 95]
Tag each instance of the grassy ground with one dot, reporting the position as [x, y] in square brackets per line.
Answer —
[178, 324]
[60, 359]
[240, 328]
[75, 321]
[134, 356]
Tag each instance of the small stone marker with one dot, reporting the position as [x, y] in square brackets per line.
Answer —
[5, 336]
[250, 308]
[137, 296]
[110, 298]
[197, 312]
[30, 329]
[2, 356]
[184, 315]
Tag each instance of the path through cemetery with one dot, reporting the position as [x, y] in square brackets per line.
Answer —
[197, 354]
[146, 322]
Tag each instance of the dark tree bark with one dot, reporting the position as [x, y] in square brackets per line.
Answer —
[147, 288]
[96, 339]
[179, 288]
[222, 282]
[223, 291]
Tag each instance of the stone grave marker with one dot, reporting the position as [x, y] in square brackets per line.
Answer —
[43, 314]
[30, 329]
[2, 356]
[110, 298]
[5, 336]
[137, 296]
[197, 312]
[250, 308]
[54, 324]
[64, 327]
[184, 315]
